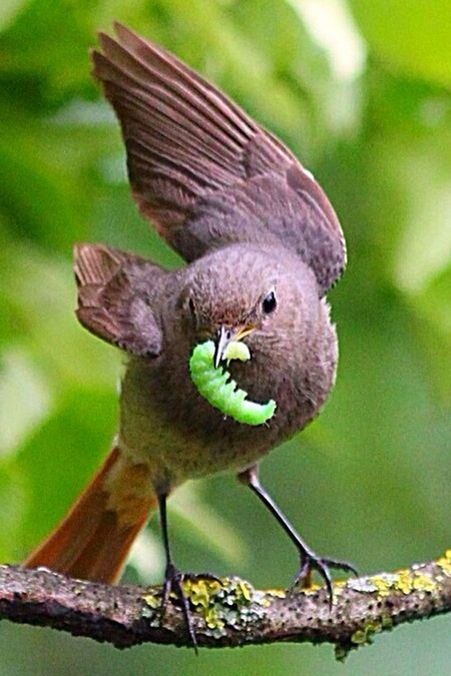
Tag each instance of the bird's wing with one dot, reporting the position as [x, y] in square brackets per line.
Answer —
[115, 298]
[202, 170]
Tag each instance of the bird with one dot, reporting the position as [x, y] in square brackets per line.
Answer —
[262, 246]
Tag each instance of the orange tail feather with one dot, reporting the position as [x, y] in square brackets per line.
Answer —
[93, 540]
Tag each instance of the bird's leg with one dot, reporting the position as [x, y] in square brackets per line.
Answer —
[309, 561]
[173, 578]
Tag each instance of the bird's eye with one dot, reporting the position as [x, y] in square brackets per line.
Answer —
[269, 303]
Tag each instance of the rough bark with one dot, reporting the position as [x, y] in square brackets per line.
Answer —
[229, 612]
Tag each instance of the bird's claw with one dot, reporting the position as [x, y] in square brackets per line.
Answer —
[173, 583]
[310, 562]
[173, 580]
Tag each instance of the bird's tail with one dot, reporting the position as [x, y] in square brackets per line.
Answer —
[93, 540]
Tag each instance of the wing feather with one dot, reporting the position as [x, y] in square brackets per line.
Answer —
[202, 170]
[115, 293]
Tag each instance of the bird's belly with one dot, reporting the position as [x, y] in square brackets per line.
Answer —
[175, 456]
[177, 453]
[164, 421]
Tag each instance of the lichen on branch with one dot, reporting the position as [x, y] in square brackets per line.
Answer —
[229, 612]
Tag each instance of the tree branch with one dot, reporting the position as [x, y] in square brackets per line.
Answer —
[229, 612]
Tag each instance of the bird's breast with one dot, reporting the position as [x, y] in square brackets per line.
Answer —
[166, 422]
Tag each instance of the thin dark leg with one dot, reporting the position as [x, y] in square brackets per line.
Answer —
[309, 560]
[173, 578]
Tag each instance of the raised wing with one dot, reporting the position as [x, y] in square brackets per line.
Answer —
[202, 170]
[116, 292]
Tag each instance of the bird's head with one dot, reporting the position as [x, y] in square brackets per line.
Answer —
[265, 298]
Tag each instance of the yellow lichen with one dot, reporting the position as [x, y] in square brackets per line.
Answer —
[444, 562]
[212, 619]
[230, 601]
[404, 581]
[245, 589]
[152, 601]
[383, 584]
[424, 583]
[264, 602]
[278, 593]
[366, 633]
[359, 637]
[311, 589]
[200, 591]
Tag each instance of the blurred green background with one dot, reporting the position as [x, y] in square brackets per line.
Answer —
[361, 92]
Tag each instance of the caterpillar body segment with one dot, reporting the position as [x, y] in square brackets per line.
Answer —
[217, 387]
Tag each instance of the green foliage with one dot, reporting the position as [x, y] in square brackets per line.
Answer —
[369, 481]
[413, 40]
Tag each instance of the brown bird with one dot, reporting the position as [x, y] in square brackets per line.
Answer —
[263, 246]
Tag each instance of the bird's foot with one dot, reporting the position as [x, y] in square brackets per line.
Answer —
[173, 580]
[311, 562]
[173, 584]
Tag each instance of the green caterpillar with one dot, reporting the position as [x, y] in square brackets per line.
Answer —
[213, 384]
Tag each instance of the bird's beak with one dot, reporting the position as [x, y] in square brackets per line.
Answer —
[224, 336]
